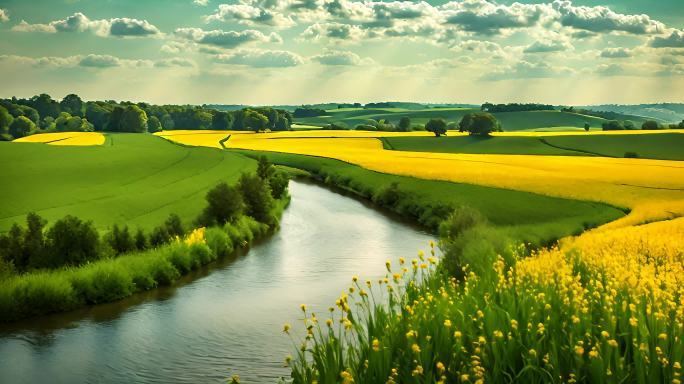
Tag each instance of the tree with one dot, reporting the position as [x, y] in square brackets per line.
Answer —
[256, 194]
[5, 120]
[224, 204]
[436, 126]
[264, 168]
[72, 104]
[34, 243]
[167, 122]
[71, 241]
[586, 127]
[45, 106]
[650, 125]
[222, 121]
[479, 123]
[681, 125]
[405, 124]
[21, 126]
[612, 125]
[629, 124]
[153, 124]
[278, 183]
[134, 119]
[98, 115]
[115, 118]
[254, 121]
[120, 239]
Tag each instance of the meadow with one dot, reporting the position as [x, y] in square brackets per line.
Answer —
[131, 179]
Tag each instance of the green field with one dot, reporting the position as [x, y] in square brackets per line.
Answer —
[526, 216]
[665, 146]
[511, 121]
[133, 179]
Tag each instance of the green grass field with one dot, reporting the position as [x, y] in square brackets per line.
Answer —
[665, 146]
[133, 179]
[526, 216]
[511, 121]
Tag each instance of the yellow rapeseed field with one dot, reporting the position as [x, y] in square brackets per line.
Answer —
[65, 138]
[652, 189]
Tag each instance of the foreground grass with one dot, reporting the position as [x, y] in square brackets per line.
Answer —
[136, 179]
[664, 146]
[43, 292]
[604, 308]
[525, 216]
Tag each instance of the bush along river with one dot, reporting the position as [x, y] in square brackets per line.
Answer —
[224, 319]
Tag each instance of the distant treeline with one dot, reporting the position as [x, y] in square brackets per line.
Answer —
[608, 115]
[515, 107]
[22, 117]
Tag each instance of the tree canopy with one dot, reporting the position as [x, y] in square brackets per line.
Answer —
[479, 123]
[436, 126]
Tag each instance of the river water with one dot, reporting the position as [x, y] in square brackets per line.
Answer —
[225, 319]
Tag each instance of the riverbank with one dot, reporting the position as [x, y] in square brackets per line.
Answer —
[49, 291]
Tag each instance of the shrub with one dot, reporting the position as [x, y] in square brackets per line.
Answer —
[71, 241]
[256, 194]
[120, 240]
[278, 183]
[224, 204]
[631, 155]
[218, 241]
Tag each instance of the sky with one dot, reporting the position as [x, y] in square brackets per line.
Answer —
[267, 52]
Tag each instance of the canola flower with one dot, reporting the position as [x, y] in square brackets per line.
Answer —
[65, 138]
[605, 306]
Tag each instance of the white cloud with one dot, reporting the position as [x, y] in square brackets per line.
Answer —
[603, 19]
[674, 40]
[333, 31]
[175, 62]
[528, 70]
[616, 53]
[609, 70]
[4, 16]
[547, 46]
[341, 58]
[201, 2]
[259, 58]
[93, 61]
[250, 14]
[227, 39]
[78, 22]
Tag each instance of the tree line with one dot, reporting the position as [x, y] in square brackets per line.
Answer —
[515, 107]
[41, 114]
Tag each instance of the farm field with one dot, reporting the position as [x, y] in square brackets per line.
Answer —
[511, 121]
[134, 179]
[664, 146]
[65, 138]
[652, 189]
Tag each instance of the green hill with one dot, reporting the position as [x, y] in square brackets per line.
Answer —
[665, 146]
[133, 179]
[511, 121]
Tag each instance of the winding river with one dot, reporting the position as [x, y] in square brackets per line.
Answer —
[225, 319]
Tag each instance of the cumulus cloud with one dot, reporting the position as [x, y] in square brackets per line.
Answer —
[87, 61]
[250, 14]
[482, 16]
[4, 16]
[333, 31]
[78, 22]
[603, 19]
[177, 62]
[674, 40]
[527, 70]
[227, 39]
[547, 46]
[201, 2]
[341, 58]
[616, 53]
[259, 58]
[609, 70]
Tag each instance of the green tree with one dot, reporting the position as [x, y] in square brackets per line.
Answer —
[134, 119]
[650, 125]
[71, 241]
[153, 124]
[436, 126]
[479, 123]
[72, 104]
[612, 125]
[167, 122]
[278, 183]
[224, 204]
[264, 168]
[34, 242]
[586, 127]
[629, 124]
[21, 126]
[254, 121]
[5, 120]
[98, 115]
[256, 194]
[405, 124]
[222, 121]
[45, 106]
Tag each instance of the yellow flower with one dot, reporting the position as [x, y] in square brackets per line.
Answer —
[286, 328]
[303, 307]
[402, 261]
[613, 343]
[376, 345]
[329, 322]
[465, 377]
[415, 348]
[440, 367]
[532, 353]
[418, 371]
[662, 336]
[447, 323]
[593, 354]
[579, 350]
[605, 334]
[633, 321]
[457, 334]
[514, 324]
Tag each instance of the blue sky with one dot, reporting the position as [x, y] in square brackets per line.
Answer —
[308, 51]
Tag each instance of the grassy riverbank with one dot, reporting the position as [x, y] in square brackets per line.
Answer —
[49, 291]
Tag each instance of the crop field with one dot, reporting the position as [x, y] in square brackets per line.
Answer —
[65, 138]
[665, 146]
[135, 179]
[511, 121]
[652, 189]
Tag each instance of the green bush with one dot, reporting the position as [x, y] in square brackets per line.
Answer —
[218, 241]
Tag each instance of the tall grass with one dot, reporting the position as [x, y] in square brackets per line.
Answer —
[44, 292]
[562, 322]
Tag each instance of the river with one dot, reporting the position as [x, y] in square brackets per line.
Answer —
[224, 319]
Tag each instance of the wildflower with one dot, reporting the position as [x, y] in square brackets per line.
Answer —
[605, 334]
[532, 353]
[329, 322]
[465, 377]
[579, 350]
[376, 345]
[593, 354]
[457, 334]
[235, 379]
[418, 371]
[303, 307]
[447, 323]
[440, 367]
[388, 265]
[288, 360]
[355, 278]
[676, 365]
[402, 261]
[633, 321]
[514, 324]
[498, 334]
[415, 348]
[662, 336]
[347, 324]
[613, 343]
[286, 328]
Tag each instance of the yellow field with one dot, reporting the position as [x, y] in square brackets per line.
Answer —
[653, 189]
[65, 138]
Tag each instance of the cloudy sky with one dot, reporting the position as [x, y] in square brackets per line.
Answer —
[308, 51]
